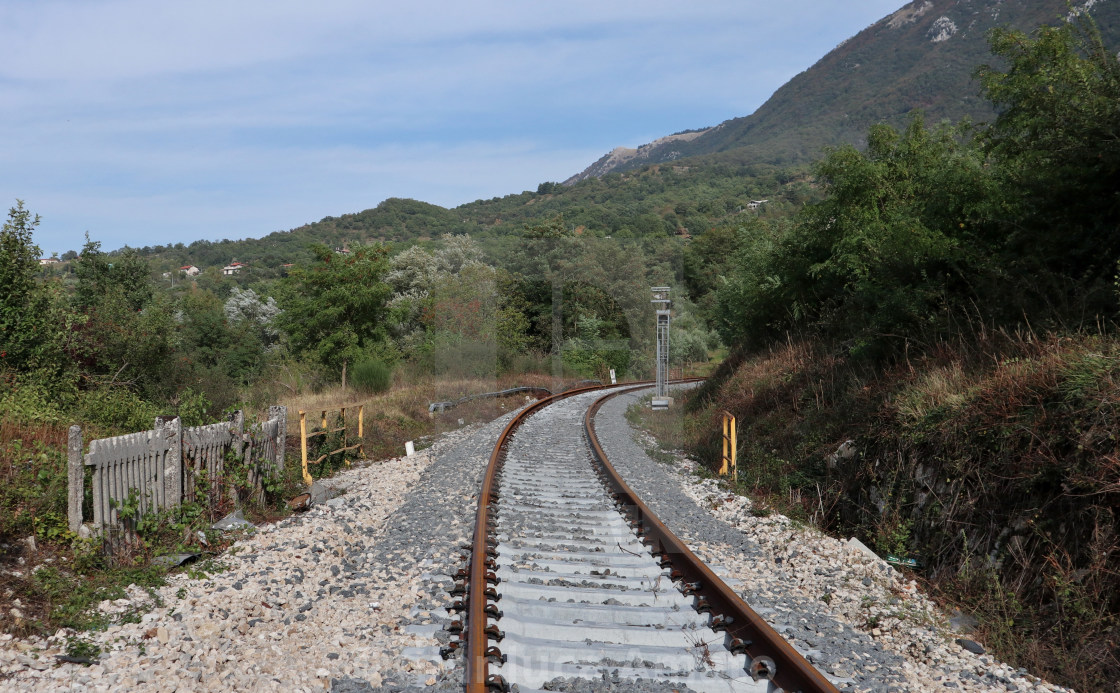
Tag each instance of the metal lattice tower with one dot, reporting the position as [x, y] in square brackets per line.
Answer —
[662, 302]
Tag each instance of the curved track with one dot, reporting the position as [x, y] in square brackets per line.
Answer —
[577, 578]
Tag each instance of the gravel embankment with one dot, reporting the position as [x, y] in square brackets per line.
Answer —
[348, 596]
[854, 616]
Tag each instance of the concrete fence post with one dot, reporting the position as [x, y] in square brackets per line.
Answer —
[172, 428]
[239, 447]
[280, 413]
[76, 476]
[237, 426]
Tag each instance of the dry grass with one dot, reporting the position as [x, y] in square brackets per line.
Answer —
[401, 414]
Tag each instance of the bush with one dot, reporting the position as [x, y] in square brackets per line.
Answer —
[28, 402]
[372, 376]
[33, 481]
[194, 408]
[116, 411]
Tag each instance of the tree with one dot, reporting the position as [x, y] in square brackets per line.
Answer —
[335, 311]
[415, 273]
[590, 355]
[551, 228]
[461, 315]
[245, 307]
[707, 260]
[18, 262]
[901, 237]
[23, 305]
[124, 337]
[125, 276]
[1057, 142]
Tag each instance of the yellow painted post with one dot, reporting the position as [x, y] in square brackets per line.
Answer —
[730, 447]
[735, 449]
[346, 458]
[361, 431]
[303, 446]
[723, 455]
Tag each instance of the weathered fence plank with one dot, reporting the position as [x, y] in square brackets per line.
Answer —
[204, 449]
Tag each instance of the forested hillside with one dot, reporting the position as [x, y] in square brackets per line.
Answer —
[657, 203]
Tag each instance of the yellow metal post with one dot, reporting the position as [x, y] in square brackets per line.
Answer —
[723, 452]
[730, 446]
[734, 449]
[361, 431]
[303, 446]
[342, 413]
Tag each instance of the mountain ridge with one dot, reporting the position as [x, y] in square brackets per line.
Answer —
[920, 57]
[622, 155]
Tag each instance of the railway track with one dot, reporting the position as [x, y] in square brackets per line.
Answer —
[572, 576]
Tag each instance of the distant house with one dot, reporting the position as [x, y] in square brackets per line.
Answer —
[43, 261]
[233, 268]
[755, 204]
[190, 270]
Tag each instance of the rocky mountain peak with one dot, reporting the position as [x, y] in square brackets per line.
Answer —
[920, 57]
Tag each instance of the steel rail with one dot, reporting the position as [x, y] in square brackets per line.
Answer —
[771, 655]
[482, 554]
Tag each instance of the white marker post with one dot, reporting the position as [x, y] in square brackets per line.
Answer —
[661, 399]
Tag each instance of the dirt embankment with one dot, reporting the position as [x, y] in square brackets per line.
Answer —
[995, 465]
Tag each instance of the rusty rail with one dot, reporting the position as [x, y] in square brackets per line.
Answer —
[482, 563]
[771, 656]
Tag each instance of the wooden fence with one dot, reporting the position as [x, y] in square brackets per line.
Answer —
[160, 468]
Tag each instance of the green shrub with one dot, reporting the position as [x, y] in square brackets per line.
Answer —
[29, 402]
[194, 408]
[33, 486]
[116, 410]
[372, 376]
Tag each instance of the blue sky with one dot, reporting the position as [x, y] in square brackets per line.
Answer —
[147, 123]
